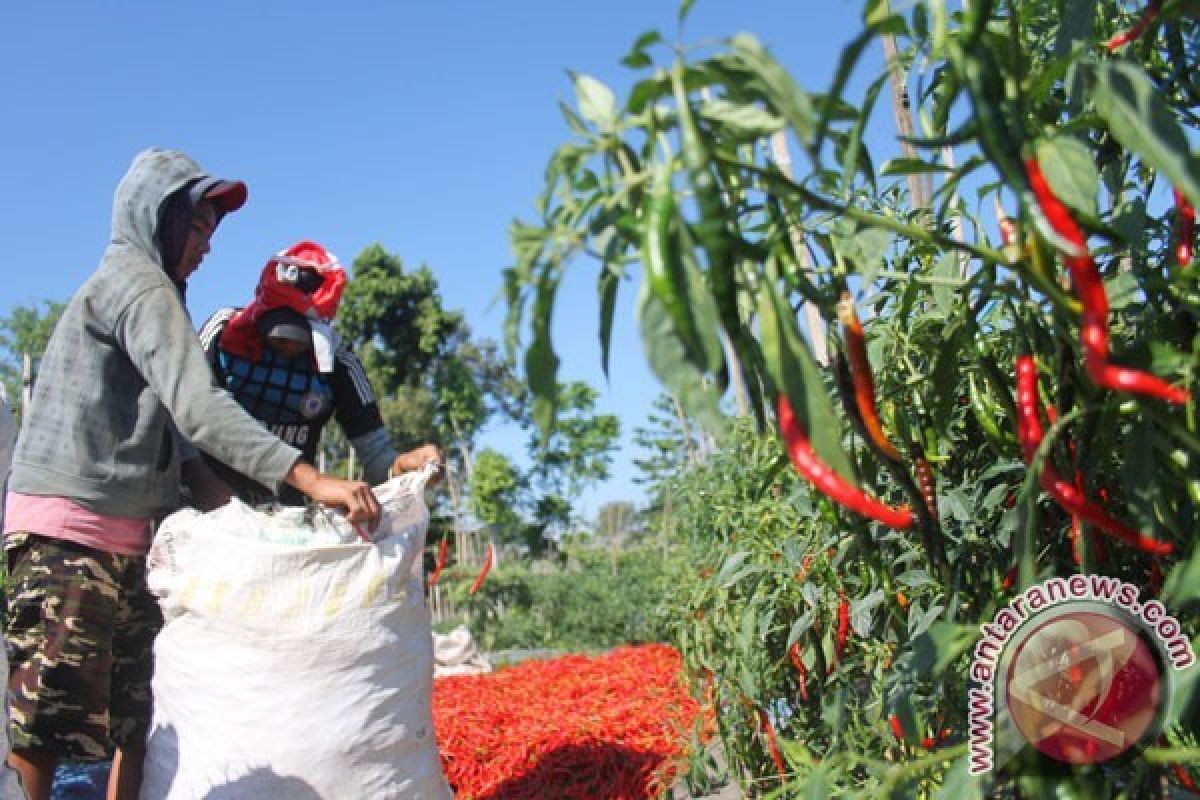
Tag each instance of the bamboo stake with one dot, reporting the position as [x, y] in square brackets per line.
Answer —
[918, 185]
[812, 315]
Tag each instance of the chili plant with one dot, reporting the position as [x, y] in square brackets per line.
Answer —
[829, 609]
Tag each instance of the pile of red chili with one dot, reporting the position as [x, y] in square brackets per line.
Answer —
[613, 726]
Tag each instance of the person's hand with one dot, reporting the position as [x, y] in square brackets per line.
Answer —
[418, 458]
[353, 497]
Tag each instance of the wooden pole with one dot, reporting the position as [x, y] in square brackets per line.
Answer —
[812, 315]
[918, 185]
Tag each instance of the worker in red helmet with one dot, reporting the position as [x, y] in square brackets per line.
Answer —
[282, 360]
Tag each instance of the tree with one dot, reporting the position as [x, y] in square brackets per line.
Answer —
[494, 493]
[575, 454]
[667, 444]
[26, 331]
[396, 320]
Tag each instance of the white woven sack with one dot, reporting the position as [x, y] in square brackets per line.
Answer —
[293, 671]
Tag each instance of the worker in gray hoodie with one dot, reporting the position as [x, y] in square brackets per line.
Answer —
[123, 387]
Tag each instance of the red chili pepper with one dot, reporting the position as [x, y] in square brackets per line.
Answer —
[1135, 32]
[860, 373]
[443, 552]
[897, 728]
[1184, 777]
[843, 628]
[483, 573]
[801, 671]
[1185, 229]
[829, 482]
[1089, 287]
[1030, 434]
[1010, 578]
[772, 746]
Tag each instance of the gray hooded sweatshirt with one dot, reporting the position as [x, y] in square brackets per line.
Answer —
[122, 365]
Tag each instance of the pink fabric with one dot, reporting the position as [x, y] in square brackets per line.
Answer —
[61, 518]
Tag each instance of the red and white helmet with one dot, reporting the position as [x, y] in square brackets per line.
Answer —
[306, 278]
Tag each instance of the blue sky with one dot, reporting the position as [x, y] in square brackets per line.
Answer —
[423, 126]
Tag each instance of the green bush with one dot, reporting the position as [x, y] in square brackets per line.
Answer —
[589, 604]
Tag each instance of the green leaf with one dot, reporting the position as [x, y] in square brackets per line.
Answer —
[668, 358]
[685, 6]
[745, 121]
[846, 62]
[795, 372]
[596, 102]
[1123, 291]
[959, 784]
[606, 288]
[911, 166]
[776, 84]
[636, 57]
[541, 363]
[1183, 582]
[1070, 169]
[1133, 108]
[939, 647]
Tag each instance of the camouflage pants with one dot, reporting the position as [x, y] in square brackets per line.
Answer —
[80, 632]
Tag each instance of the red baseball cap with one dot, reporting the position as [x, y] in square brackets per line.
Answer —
[226, 195]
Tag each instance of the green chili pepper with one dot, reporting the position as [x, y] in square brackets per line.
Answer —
[660, 260]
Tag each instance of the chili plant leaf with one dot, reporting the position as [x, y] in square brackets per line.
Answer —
[541, 363]
[794, 371]
[776, 85]
[596, 101]
[606, 288]
[1133, 108]
[744, 121]
[1070, 169]
[669, 360]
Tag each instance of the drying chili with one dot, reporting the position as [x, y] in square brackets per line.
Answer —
[483, 572]
[860, 372]
[1030, 433]
[1185, 229]
[1090, 289]
[1134, 32]
[827, 481]
[443, 553]
[570, 728]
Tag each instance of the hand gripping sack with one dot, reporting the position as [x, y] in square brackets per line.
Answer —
[293, 671]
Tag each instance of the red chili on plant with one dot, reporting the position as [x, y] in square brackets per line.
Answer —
[863, 379]
[483, 572]
[1090, 288]
[764, 723]
[843, 628]
[1030, 434]
[827, 481]
[1135, 32]
[1185, 229]
[443, 553]
[801, 671]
